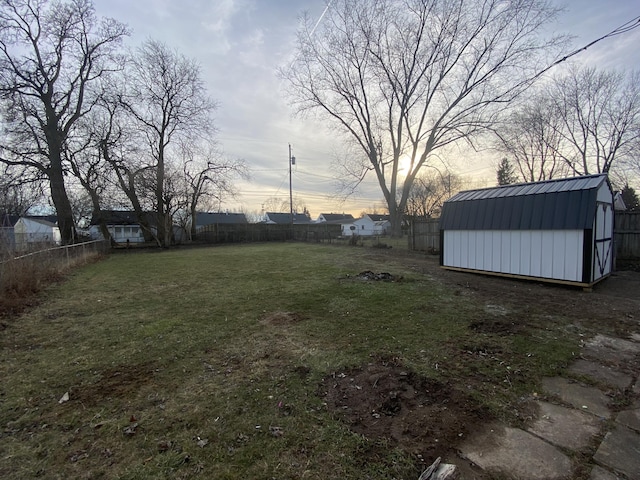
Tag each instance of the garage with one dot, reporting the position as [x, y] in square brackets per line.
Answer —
[556, 230]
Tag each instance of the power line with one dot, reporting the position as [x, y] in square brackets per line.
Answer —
[624, 28]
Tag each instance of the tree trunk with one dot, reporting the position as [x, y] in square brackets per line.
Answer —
[163, 234]
[61, 200]
[192, 228]
[395, 217]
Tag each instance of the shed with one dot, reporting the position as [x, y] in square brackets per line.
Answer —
[556, 230]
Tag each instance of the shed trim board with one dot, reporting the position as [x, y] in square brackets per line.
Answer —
[559, 231]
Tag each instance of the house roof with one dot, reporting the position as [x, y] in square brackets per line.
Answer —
[203, 218]
[618, 202]
[48, 220]
[336, 217]
[7, 220]
[122, 217]
[284, 218]
[378, 218]
[562, 204]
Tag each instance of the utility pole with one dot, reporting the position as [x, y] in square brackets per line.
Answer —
[292, 161]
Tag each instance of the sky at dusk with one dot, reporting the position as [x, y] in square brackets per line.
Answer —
[241, 43]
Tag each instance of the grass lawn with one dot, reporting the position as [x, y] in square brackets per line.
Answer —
[213, 363]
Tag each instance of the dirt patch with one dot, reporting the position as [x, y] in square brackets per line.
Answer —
[497, 327]
[281, 318]
[369, 276]
[115, 382]
[612, 307]
[384, 400]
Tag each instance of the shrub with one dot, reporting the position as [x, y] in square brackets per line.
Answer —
[355, 240]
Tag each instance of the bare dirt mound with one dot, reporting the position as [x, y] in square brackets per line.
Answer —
[384, 400]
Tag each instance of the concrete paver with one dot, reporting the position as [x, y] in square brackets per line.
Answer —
[586, 399]
[601, 373]
[535, 454]
[609, 349]
[599, 473]
[517, 454]
[630, 419]
[565, 427]
[620, 451]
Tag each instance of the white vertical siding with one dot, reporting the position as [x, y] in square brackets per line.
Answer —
[525, 253]
[496, 250]
[533, 253]
[535, 257]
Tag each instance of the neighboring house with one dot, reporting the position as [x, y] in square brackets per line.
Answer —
[557, 230]
[367, 225]
[123, 226]
[618, 202]
[204, 219]
[345, 220]
[285, 218]
[338, 218]
[33, 231]
[7, 235]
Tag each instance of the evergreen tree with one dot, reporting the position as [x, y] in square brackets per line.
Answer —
[631, 200]
[506, 174]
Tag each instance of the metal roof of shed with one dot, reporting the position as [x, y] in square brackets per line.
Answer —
[563, 204]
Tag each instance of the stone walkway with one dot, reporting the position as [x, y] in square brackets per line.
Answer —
[581, 418]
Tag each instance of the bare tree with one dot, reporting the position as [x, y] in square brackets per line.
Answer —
[168, 101]
[282, 205]
[50, 55]
[19, 190]
[406, 78]
[86, 159]
[531, 137]
[600, 115]
[118, 148]
[429, 192]
[206, 176]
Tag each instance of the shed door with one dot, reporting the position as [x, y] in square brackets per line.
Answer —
[603, 241]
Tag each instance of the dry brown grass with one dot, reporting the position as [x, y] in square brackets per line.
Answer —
[22, 278]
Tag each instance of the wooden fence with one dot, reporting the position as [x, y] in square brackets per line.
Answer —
[627, 235]
[424, 235]
[262, 232]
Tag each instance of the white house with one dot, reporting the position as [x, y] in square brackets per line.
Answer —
[33, 231]
[123, 225]
[335, 218]
[557, 230]
[368, 225]
[345, 220]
